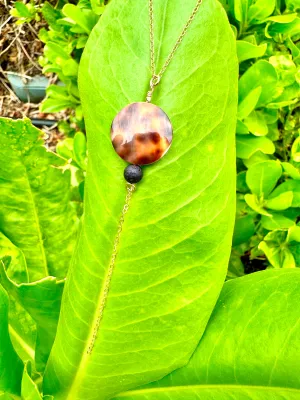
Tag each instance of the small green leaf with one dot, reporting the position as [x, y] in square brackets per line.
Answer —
[295, 152]
[247, 105]
[246, 146]
[291, 170]
[280, 202]
[289, 185]
[255, 204]
[241, 184]
[276, 221]
[243, 230]
[246, 50]
[262, 177]
[80, 150]
[276, 250]
[85, 20]
[256, 123]
[285, 67]
[260, 10]
[23, 11]
[284, 18]
[262, 74]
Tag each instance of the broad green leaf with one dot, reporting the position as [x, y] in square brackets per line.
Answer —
[261, 74]
[246, 146]
[36, 213]
[252, 339]
[262, 177]
[10, 365]
[287, 186]
[212, 392]
[41, 299]
[247, 105]
[246, 50]
[172, 256]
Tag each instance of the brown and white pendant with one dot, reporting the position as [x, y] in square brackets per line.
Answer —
[141, 133]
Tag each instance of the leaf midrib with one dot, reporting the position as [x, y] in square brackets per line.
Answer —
[210, 386]
[37, 223]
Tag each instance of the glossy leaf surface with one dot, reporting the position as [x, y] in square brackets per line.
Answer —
[35, 211]
[253, 337]
[175, 243]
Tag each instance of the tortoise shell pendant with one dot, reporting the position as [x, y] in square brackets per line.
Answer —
[141, 133]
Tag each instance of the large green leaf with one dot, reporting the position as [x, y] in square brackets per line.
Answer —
[10, 365]
[250, 349]
[35, 211]
[253, 337]
[175, 244]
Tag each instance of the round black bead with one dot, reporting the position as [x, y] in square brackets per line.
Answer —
[133, 173]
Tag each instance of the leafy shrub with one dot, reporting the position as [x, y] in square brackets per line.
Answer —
[268, 169]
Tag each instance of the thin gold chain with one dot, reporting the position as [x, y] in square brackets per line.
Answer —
[107, 280]
[131, 188]
[156, 77]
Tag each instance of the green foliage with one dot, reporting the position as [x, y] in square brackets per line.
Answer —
[176, 239]
[69, 28]
[268, 128]
[25, 13]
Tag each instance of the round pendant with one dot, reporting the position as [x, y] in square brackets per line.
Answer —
[141, 133]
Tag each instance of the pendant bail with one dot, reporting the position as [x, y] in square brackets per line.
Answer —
[153, 82]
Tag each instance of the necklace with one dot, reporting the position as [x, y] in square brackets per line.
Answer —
[141, 134]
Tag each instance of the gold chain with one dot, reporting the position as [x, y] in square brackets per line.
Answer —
[130, 189]
[155, 79]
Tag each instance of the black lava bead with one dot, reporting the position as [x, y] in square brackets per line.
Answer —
[133, 173]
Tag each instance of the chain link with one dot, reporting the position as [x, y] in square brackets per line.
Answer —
[157, 77]
[130, 189]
